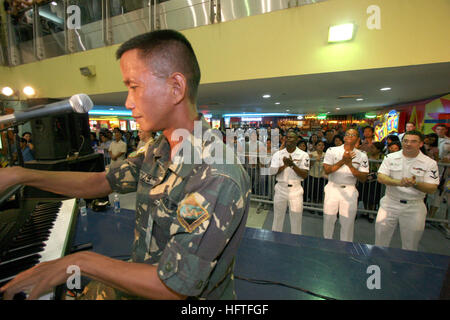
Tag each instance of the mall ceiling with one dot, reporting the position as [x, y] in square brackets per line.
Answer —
[318, 93]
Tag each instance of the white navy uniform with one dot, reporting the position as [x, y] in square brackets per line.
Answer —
[341, 194]
[404, 204]
[288, 190]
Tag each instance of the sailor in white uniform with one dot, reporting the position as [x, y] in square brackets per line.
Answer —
[344, 165]
[291, 166]
[408, 175]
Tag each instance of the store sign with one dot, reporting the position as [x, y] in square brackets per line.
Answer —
[123, 125]
[250, 119]
[215, 124]
[388, 125]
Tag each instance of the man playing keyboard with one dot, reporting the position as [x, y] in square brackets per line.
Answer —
[189, 217]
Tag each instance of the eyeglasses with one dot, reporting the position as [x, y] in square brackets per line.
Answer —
[350, 135]
[410, 141]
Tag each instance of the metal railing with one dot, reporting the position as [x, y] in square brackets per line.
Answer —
[66, 26]
[370, 192]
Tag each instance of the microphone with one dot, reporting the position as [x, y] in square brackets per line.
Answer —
[79, 103]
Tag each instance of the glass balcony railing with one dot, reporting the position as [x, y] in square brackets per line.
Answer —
[67, 26]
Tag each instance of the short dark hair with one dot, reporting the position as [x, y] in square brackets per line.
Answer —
[435, 136]
[410, 123]
[174, 54]
[319, 141]
[393, 137]
[338, 136]
[368, 127]
[414, 133]
[27, 132]
[379, 145]
[397, 143]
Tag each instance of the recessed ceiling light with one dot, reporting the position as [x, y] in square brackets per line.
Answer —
[338, 108]
[359, 99]
[277, 103]
[266, 96]
[287, 110]
[111, 109]
[385, 89]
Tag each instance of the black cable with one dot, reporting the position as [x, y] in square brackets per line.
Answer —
[285, 285]
[124, 257]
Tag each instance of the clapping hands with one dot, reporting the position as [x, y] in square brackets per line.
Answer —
[288, 162]
[408, 182]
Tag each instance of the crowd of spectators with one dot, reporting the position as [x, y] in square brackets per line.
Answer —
[316, 142]
[117, 144]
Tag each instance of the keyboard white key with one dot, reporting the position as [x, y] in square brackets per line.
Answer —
[59, 236]
[57, 242]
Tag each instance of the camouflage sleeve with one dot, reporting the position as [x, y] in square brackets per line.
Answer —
[124, 178]
[206, 220]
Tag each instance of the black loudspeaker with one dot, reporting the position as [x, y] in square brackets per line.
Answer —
[89, 163]
[56, 137]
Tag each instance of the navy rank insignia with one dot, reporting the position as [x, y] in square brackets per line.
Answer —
[434, 174]
[191, 214]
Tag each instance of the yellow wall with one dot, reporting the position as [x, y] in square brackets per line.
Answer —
[282, 43]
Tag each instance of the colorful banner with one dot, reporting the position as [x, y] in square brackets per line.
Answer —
[387, 126]
[436, 112]
[426, 114]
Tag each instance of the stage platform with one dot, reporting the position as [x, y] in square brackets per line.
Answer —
[281, 266]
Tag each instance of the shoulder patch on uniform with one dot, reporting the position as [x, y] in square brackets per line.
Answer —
[191, 214]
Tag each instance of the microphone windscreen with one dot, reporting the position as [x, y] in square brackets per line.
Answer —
[81, 103]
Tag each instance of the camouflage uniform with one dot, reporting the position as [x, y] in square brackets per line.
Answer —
[190, 219]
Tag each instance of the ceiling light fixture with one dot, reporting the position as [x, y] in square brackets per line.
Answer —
[359, 99]
[339, 33]
[29, 91]
[7, 91]
[277, 103]
[266, 96]
[385, 89]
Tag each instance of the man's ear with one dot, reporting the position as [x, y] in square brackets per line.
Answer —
[178, 87]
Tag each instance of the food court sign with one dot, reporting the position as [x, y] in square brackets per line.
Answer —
[388, 125]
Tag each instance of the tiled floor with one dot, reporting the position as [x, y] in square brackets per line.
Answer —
[433, 241]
